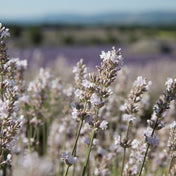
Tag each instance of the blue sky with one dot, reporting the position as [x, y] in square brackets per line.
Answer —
[28, 8]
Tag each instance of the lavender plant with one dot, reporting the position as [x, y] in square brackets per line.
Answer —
[10, 120]
[92, 92]
[95, 119]
[161, 106]
[140, 86]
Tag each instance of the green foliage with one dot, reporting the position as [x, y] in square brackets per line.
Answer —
[111, 38]
[95, 40]
[68, 40]
[16, 31]
[165, 48]
[35, 35]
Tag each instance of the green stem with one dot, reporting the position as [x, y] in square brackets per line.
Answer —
[88, 168]
[29, 137]
[170, 165]
[75, 144]
[44, 139]
[88, 152]
[77, 136]
[124, 150]
[115, 167]
[148, 145]
[74, 153]
[34, 133]
[123, 163]
[38, 138]
[74, 168]
[146, 152]
[66, 172]
[127, 131]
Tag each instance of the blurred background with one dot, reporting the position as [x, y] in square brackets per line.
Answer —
[58, 33]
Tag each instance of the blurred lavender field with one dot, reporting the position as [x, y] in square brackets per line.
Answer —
[147, 51]
[88, 87]
[46, 56]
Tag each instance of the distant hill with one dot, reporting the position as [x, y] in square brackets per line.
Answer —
[145, 18]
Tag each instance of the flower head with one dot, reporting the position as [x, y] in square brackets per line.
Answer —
[152, 140]
[69, 159]
[111, 56]
[95, 99]
[104, 125]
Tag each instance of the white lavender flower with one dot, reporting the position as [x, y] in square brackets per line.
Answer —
[172, 139]
[152, 140]
[95, 142]
[75, 69]
[104, 125]
[44, 76]
[9, 157]
[135, 144]
[79, 93]
[95, 99]
[80, 71]
[101, 151]
[75, 113]
[140, 86]
[140, 82]
[32, 164]
[4, 106]
[87, 84]
[117, 139]
[89, 119]
[68, 91]
[69, 159]
[24, 98]
[102, 172]
[123, 107]
[129, 118]
[173, 125]
[55, 84]
[4, 32]
[21, 64]
[169, 83]
[136, 157]
[105, 55]
[112, 55]
[34, 87]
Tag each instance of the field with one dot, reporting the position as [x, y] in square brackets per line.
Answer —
[111, 113]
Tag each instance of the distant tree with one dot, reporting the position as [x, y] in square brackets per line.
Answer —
[68, 40]
[111, 38]
[15, 31]
[166, 48]
[35, 35]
